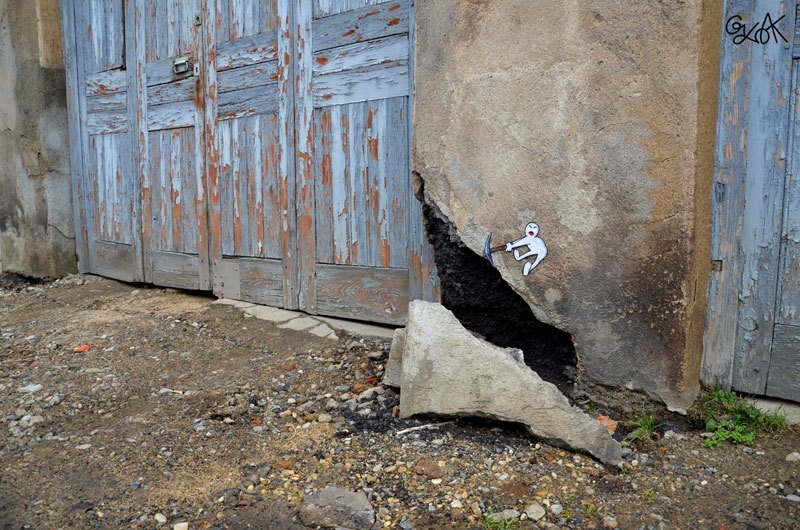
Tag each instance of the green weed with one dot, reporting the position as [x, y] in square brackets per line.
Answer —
[645, 427]
[494, 522]
[731, 418]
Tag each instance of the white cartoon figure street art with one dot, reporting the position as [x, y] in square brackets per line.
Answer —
[535, 247]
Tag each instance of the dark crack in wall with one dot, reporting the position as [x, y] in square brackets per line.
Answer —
[487, 306]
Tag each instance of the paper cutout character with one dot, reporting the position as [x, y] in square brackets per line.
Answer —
[536, 247]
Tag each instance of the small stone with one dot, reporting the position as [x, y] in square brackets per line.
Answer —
[610, 522]
[30, 389]
[457, 504]
[504, 516]
[181, 526]
[83, 447]
[283, 464]
[428, 469]
[556, 509]
[476, 509]
[160, 518]
[535, 511]
[793, 498]
[436, 481]
[324, 418]
[337, 507]
[793, 457]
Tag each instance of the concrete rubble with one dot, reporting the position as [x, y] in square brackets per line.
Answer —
[446, 371]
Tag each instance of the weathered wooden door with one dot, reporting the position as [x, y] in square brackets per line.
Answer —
[312, 136]
[261, 148]
[753, 332]
[171, 157]
[103, 97]
[137, 140]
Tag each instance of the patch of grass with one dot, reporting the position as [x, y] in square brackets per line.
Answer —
[650, 494]
[731, 418]
[644, 428]
[494, 522]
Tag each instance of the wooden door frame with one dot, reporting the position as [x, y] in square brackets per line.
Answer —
[753, 111]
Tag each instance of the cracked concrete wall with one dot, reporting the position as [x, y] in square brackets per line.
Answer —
[594, 118]
[36, 221]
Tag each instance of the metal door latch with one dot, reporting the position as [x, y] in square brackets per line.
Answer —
[184, 65]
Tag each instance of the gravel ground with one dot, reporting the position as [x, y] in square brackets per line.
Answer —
[183, 414]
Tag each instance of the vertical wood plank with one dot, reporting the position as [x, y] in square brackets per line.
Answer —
[214, 28]
[76, 124]
[304, 157]
[286, 156]
[767, 138]
[323, 169]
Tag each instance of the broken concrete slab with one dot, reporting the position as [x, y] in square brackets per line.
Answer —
[239, 304]
[358, 328]
[271, 314]
[448, 371]
[394, 365]
[337, 508]
[322, 330]
[300, 324]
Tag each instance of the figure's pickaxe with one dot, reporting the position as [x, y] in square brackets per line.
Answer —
[488, 248]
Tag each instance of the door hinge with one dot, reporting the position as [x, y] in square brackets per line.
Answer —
[716, 265]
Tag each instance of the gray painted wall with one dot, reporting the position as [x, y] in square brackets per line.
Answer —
[36, 228]
[592, 119]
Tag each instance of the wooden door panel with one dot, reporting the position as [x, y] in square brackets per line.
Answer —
[249, 194]
[784, 369]
[354, 179]
[101, 24]
[173, 103]
[243, 18]
[110, 175]
[171, 29]
[175, 190]
[251, 143]
[362, 184]
[101, 106]
[363, 293]
[335, 19]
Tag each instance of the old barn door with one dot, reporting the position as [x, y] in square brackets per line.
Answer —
[250, 125]
[137, 147]
[352, 131]
[259, 148]
[312, 204]
[171, 158]
[103, 99]
[753, 333]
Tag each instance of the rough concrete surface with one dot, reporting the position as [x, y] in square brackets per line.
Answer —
[36, 221]
[448, 371]
[584, 117]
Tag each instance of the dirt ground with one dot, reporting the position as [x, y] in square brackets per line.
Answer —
[182, 411]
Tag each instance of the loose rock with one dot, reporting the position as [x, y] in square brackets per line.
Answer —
[337, 507]
[448, 371]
